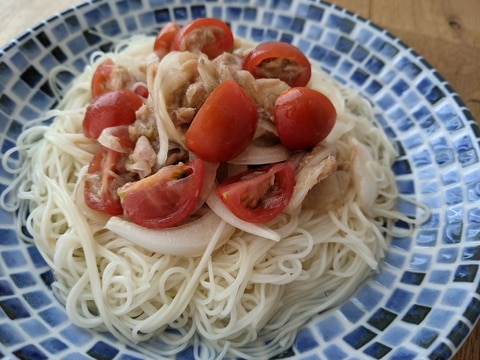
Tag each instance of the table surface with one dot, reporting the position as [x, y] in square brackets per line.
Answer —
[446, 33]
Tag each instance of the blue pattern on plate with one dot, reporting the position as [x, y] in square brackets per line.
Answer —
[425, 297]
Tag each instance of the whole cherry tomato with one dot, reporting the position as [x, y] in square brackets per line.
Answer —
[102, 181]
[303, 117]
[165, 198]
[113, 108]
[225, 124]
[259, 195]
[276, 59]
[208, 35]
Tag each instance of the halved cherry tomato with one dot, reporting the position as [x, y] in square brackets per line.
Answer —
[110, 76]
[303, 117]
[259, 195]
[102, 182]
[164, 39]
[100, 77]
[224, 125]
[208, 35]
[113, 108]
[165, 198]
[276, 59]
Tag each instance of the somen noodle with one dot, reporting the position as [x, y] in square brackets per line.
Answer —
[245, 296]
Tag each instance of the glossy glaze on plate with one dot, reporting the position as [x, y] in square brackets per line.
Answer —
[425, 298]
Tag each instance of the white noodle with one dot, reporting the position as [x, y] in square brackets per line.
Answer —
[249, 297]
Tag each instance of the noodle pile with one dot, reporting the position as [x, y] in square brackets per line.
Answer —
[247, 298]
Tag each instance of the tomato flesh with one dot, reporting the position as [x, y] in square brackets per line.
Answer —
[225, 124]
[259, 195]
[165, 198]
[303, 117]
[113, 108]
[102, 182]
[276, 59]
[208, 35]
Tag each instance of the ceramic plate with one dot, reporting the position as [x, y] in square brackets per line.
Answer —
[425, 298]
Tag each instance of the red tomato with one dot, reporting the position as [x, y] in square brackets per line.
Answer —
[259, 195]
[112, 108]
[165, 198]
[303, 117]
[209, 35]
[224, 125]
[141, 90]
[164, 39]
[110, 76]
[100, 77]
[276, 59]
[101, 183]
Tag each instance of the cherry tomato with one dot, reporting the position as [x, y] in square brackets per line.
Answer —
[165, 198]
[276, 59]
[209, 35]
[110, 76]
[102, 182]
[113, 108]
[303, 117]
[224, 125]
[141, 90]
[164, 39]
[100, 77]
[259, 195]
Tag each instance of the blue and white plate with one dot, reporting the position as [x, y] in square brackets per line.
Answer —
[425, 298]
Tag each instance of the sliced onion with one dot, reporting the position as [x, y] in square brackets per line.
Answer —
[363, 178]
[259, 155]
[174, 71]
[109, 139]
[320, 81]
[190, 239]
[344, 124]
[218, 207]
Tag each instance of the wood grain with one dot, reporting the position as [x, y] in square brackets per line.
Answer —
[446, 33]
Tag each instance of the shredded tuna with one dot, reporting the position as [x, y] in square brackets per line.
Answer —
[143, 158]
[330, 193]
[313, 167]
[144, 125]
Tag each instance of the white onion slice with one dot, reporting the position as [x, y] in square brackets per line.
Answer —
[321, 82]
[190, 239]
[363, 177]
[109, 140]
[259, 155]
[218, 207]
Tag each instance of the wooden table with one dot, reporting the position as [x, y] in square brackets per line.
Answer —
[445, 32]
